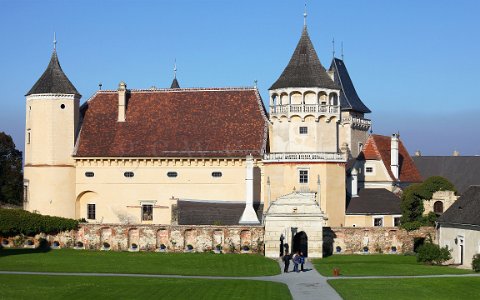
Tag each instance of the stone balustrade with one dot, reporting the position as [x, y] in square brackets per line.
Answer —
[304, 157]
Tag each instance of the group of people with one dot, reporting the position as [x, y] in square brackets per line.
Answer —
[298, 259]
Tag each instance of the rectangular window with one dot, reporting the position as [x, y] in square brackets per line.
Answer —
[303, 176]
[396, 221]
[28, 137]
[369, 170]
[91, 211]
[147, 212]
[303, 130]
[378, 222]
[25, 193]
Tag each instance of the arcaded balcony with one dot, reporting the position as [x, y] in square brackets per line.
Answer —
[304, 157]
[290, 109]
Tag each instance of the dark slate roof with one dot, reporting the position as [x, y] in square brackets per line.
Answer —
[175, 84]
[53, 80]
[349, 99]
[466, 210]
[212, 213]
[374, 201]
[175, 123]
[304, 68]
[462, 171]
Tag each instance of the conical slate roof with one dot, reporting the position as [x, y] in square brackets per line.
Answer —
[304, 68]
[175, 84]
[53, 80]
[349, 99]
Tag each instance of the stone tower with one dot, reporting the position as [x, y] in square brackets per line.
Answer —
[52, 117]
[304, 132]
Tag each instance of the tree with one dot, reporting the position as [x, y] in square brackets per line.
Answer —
[11, 175]
[412, 201]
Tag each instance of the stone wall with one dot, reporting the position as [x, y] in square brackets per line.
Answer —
[376, 239]
[151, 238]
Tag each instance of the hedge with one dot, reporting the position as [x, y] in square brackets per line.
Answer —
[17, 221]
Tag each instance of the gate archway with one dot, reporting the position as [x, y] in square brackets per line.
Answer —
[300, 243]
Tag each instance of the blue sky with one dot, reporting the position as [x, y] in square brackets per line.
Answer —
[414, 63]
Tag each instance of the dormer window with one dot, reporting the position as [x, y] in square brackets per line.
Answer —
[368, 169]
[303, 130]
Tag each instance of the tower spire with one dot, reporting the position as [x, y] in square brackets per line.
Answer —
[342, 50]
[305, 15]
[54, 41]
[175, 69]
[333, 47]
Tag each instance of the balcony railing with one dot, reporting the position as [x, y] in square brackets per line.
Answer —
[304, 108]
[305, 156]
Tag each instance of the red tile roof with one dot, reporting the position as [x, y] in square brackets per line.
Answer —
[228, 122]
[378, 147]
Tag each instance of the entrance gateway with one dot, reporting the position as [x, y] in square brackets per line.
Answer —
[294, 222]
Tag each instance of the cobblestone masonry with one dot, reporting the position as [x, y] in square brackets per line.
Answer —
[230, 238]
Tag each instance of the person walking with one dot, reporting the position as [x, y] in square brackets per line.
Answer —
[286, 259]
[302, 261]
[296, 261]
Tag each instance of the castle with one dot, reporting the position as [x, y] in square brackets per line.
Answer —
[216, 155]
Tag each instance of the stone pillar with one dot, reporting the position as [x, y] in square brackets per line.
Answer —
[249, 215]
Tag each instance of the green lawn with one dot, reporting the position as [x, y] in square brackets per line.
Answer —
[408, 288]
[69, 260]
[379, 265]
[76, 287]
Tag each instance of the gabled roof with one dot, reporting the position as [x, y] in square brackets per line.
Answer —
[349, 99]
[378, 147]
[175, 84]
[212, 213]
[374, 201]
[304, 68]
[224, 122]
[462, 171]
[466, 210]
[53, 80]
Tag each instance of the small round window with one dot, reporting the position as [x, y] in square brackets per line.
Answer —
[62, 106]
[172, 174]
[217, 174]
[89, 174]
[128, 174]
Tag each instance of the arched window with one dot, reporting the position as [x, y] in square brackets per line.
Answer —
[333, 99]
[438, 207]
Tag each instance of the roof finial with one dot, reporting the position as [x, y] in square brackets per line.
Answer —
[255, 82]
[342, 50]
[305, 15]
[54, 41]
[333, 47]
[175, 69]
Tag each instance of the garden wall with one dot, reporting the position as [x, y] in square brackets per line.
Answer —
[348, 240]
[153, 237]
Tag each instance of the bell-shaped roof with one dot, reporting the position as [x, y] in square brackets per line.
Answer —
[53, 80]
[304, 68]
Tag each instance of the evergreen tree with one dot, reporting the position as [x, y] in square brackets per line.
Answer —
[11, 174]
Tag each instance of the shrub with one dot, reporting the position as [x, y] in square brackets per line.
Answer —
[476, 263]
[433, 254]
[16, 221]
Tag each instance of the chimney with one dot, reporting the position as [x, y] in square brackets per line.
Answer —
[354, 191]
[394, 155]
[122, 101]
[456, 153]
[418, 153]
[249, 215]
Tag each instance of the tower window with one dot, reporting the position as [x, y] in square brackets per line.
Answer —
[128, 174]
[91, 211]
[303, 130]
[89, 174]
[217, 174]
[28, 137]
[62, 106]
[172, 174]
[303, 176]
[369, 170]
[147, 212]
[360, 147]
